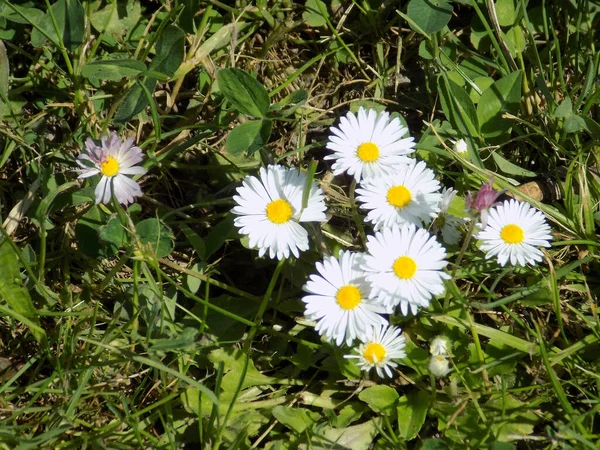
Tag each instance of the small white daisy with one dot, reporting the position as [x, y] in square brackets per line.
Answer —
[114, 159]
[460, 146]
[270, 209]
[369, 144]
[512, 233]
[409, 195]
[340, 300]
[379, 349]
[439, 366]
[448, 224]
[439, 346]
[405, 267]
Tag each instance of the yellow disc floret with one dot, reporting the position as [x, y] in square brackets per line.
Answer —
[405, 267]
[398, 196]
[374, 352]
[368, 152]
[348, 297]
[512, 234]
[109, 167]
[279, 211]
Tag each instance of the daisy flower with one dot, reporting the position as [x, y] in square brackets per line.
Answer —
[384, 344]
[439, 366]
[369, 144]
[460, 147]
[405, 267]
[270, 211]
[439, 346]
[448, 224]
[340, 300]
[409, 195]
[114, 159]
[512, 233]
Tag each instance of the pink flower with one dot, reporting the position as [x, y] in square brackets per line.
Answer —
[485, 199]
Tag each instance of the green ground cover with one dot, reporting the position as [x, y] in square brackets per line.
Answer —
[151, 322]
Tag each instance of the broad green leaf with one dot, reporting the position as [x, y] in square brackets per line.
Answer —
[169, 51]
[312, 14]
[183, 340]
[412, 411]
[458, 107]
[134, 101]
[22, 15]
[12, 290]
[515, 40]
[564, 109]
[573, 123]
[592, 127]
[502, 446]
[381, 399]
[482, 83]
[168, 58]
[434, 444]
[356, 437]
[244, 92]
[86, 232]
[218, 235]
[505, 10]
[70, 20]
[113, 69]
[509, 168]
[234, 361]
[196, 241]
[249, 137]
[157, 236]
[297, 419]
[113, 235]
[504, 96]
[430, 15]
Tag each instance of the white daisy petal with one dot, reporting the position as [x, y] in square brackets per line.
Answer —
[368, 145]
[405, 267]
[113, 159]
[269, 210]
[379, 348]
[341, 302]
[409, 195]
[512, 233]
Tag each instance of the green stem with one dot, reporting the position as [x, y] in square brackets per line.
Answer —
[246, 349]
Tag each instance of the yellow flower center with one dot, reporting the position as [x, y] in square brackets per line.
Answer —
[405, 267]
[398, 196]
[440, 358]
[368, 152]
[512, 234]
[348, 297]
[374, 353]
[109, 167]
[279, 211]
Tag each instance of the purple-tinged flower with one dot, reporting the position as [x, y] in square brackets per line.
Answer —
[113, 159]
[484, 200]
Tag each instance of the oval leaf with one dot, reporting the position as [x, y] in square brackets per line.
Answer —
[381, 399]
[458, 107]
[156, 235]
[13, 292]
[412, 410]
[245, 93]
[430, 15]
[501, 97]
[113, 69]
[249, 137]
